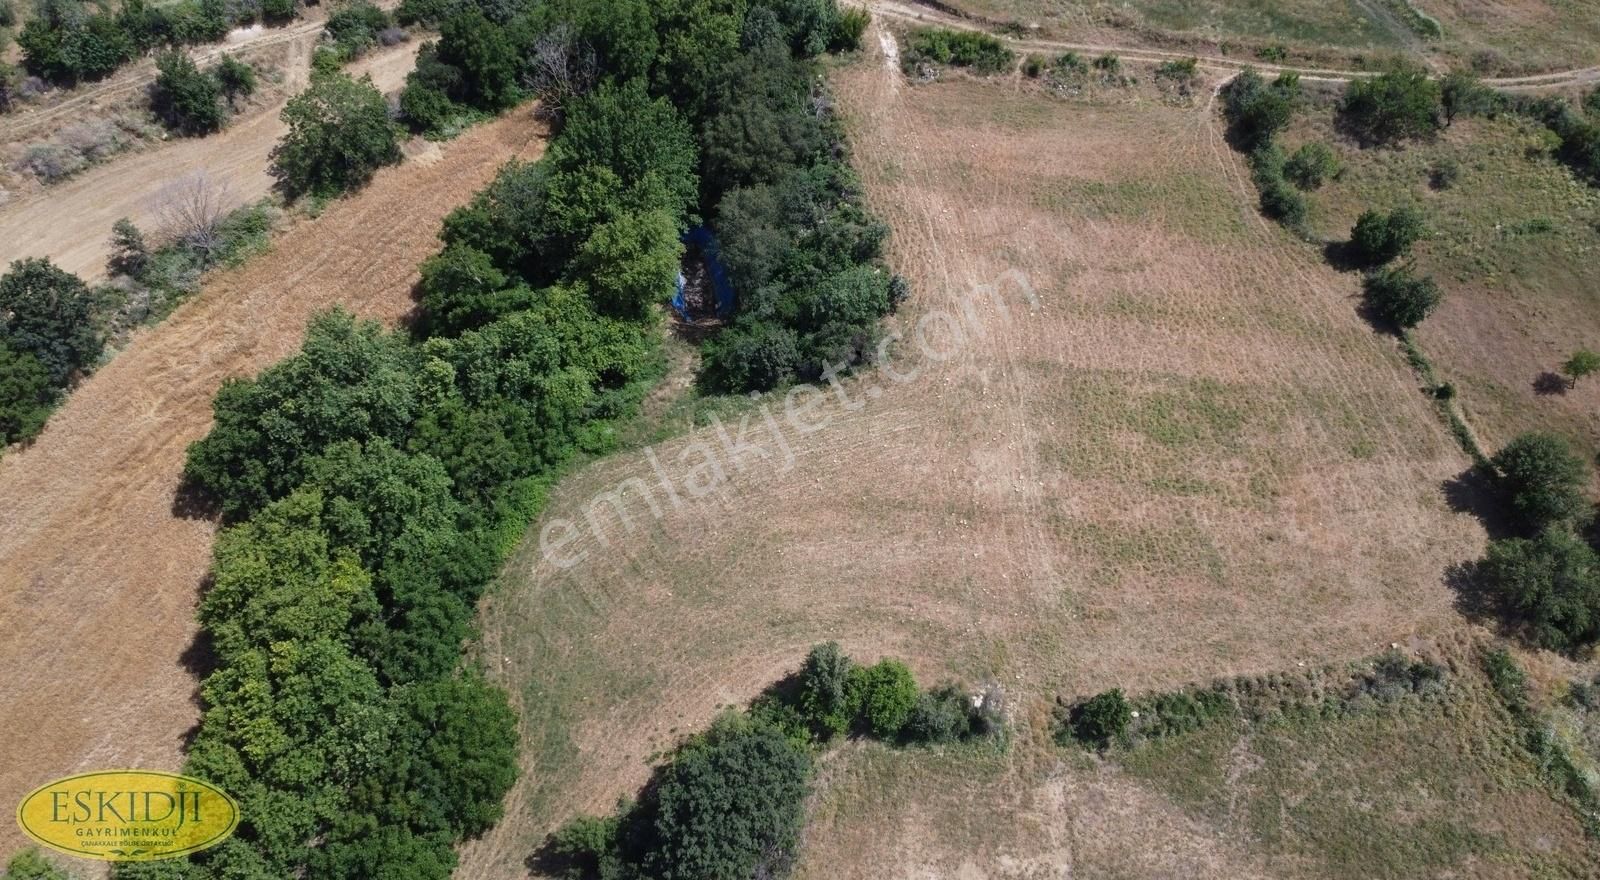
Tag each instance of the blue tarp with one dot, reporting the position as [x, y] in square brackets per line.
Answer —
[701, 237]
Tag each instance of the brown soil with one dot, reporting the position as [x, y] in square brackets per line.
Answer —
[70, 222]
[98, 573]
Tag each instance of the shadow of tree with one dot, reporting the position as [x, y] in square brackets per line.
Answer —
[1549, 383]
[1475, 491]
[192, 501]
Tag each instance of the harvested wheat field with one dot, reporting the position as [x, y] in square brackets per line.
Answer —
[1189, 458]
[100, 572]
[70, 222]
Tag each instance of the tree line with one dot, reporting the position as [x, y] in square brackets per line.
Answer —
[371, 483]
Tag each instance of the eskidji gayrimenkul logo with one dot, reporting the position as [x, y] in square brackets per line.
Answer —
[128, 815]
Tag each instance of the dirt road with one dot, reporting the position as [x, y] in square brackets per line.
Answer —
[98, 575]
[71, 222]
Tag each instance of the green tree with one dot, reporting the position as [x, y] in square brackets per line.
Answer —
[488, 62]
[1553, 581]
[1257, 111]
[187, 100]
[1378, 238]
[129, 252]
[1544, 479]
[354, 26]
[1398, 104]
[25, 395]
[630, 263]
[237, 78]
[339, 136]
[1399, 298]
[882, 696]
[824, 678]
[458, 284]
[1101, 719]
[50, 314]
[729, 805]
[1312, 165]
[1582, 363]
[1461, 93]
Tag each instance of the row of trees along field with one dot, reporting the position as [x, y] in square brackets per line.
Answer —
[372, 482]
[69, 41]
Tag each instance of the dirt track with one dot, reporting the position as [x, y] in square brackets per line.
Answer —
[98, 576]
[71, 222]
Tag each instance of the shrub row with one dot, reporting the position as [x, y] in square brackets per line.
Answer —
[727, 804]
[941, 46]
[195, 102]
[1110, 718]
[67, 41]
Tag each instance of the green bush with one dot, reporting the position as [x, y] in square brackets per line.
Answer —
[198, 21]
[237, 78]
[882, 697]
[824, 681]
[8, 13]
[25, 396]
[1312, 165]
[847, 32]
[1378, 238]
[729, 806]
[979, 51]
[339, 136]
[187, 100]
[277, 11]
[1462, 94]
[483, 53]
[1395, 105]
[1583, 362]
[1100, 720]
[427, 12]
[1553, 581]
[1544, 479]
[354, 26]
[1400, 299]
[146, 24]
[1257, 111]
[30, 865]
[50, 314]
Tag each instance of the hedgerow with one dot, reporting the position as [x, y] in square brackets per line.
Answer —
[727, 803]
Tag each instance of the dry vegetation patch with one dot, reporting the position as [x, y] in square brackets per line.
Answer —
[1191, 458]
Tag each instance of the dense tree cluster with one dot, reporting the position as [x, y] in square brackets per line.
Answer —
[49, 334]
[1397, 104]
[727, 805]
[68, 41]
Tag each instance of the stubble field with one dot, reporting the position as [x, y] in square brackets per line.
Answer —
[1191, 458]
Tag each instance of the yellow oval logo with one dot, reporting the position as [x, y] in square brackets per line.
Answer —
[128, 815]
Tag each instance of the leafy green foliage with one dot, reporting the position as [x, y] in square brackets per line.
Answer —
[882, 696]
[979, 51]
[483, 53]
[50, 314]
[1312, 165]
[1256, 110]
[1100, 720]
[339, 136]
[631, 263]
[1544, 480]
[187, 100]
[824, 679]
[1399, 298]
[1553, 581]
[1582, 363]
[25, 396]
[237, 78]
[30, 865]
[1398, 104]
[1378, 238]
[354, 26]
[1461, 93]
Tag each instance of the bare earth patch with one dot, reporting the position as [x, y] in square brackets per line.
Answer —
[98, 573]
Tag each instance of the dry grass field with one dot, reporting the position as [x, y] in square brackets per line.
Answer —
[1511, 36]
[1191, 458]
[99, 573]
[1512, 242]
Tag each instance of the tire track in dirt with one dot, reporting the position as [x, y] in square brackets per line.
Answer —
[70, 222]
[98, 574]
